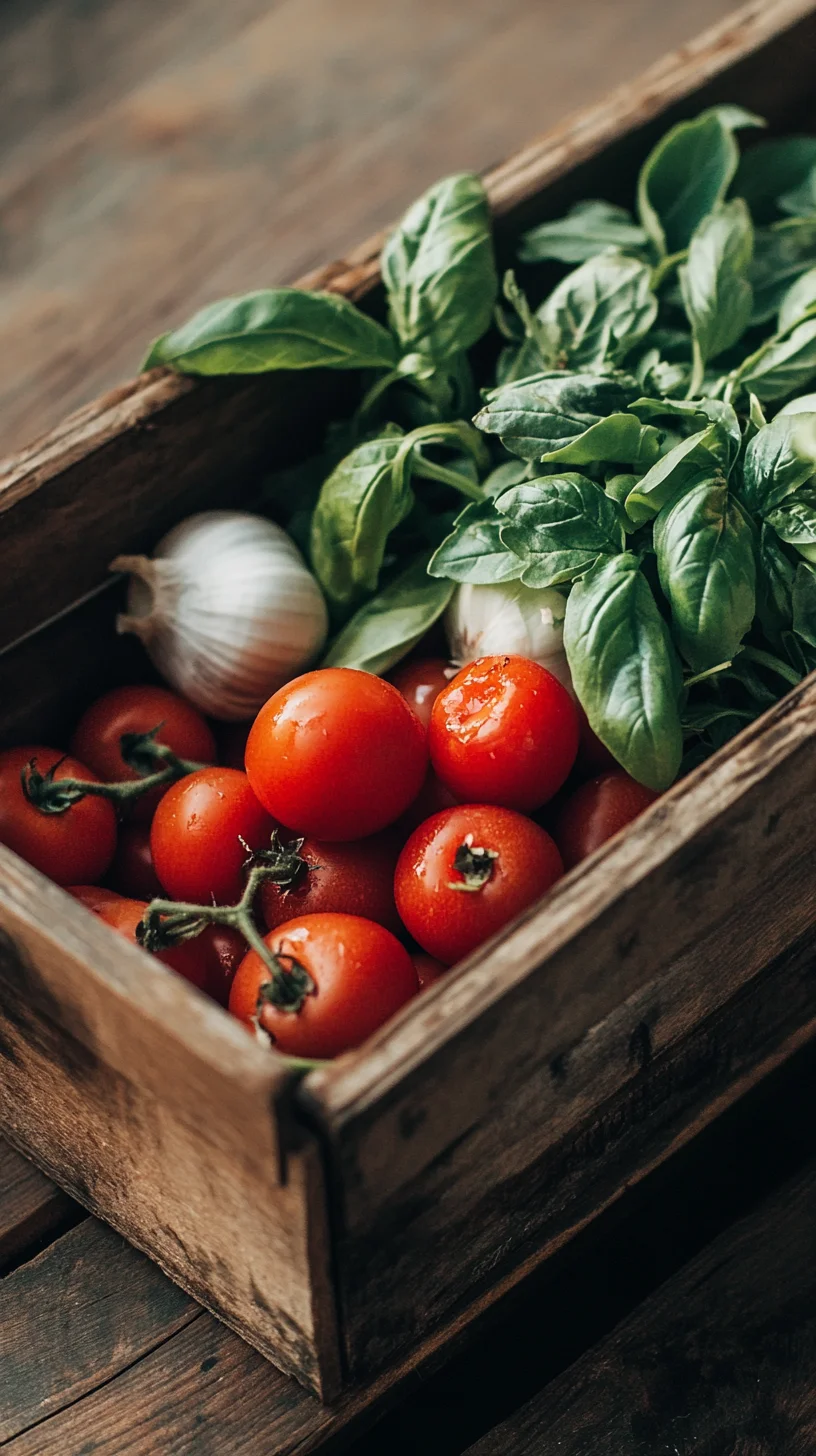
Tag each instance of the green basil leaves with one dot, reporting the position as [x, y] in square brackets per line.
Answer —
[714, 283]
[559, 526]
[391, 623]
[687, 175]
[589, 228]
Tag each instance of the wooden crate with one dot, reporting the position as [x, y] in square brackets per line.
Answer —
[344, 1223]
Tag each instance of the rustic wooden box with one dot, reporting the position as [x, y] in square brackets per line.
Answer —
[347, 1222]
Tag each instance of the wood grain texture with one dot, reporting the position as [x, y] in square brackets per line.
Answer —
[154, 157]
[720, 1361]
[30, 1204]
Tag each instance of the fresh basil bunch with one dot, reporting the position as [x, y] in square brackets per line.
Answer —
[645, 443]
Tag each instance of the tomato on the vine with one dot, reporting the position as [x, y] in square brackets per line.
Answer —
[420, 682]
[202, 834]
[74, 847]
[469, 870]
[353, 879]
[359, 971]
[133, 873]
[504, 731]
[139, 709]
[596, 811]
[336, 754]
[93, 897]
[191, 959]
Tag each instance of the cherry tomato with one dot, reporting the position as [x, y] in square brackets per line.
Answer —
[132, 872]
[336, 754]
[361, 973]
[596, 811]
[225, 948]
[428, 970]
[504, 731]
[593, 755]
[432, 797]
[421, 682]
[231, 739]
[191, 959]
[72, 848]
[466, 872]
[138, 709]
[93, 896]
[202, 834]
[352, 879]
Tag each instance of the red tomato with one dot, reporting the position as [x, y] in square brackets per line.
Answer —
[510, 860]
[202, 834]
[336, 754]
[137, 709]
[92, 896]
[432, 797]
[504, 731]
[596, 811]
[421, 682]
[73, 848]
[190, 959]
[351, 879]
[132, 871]
[232, 740]
[593, 755]
[361, 973]
[428, 970]
[225, 948]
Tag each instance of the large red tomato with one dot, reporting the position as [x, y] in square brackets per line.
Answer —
[469, 870]
[596, 811]
[74, 847]
[336, 754]
[202, 834]
[360, 973]
[350, 879]
[504, 731]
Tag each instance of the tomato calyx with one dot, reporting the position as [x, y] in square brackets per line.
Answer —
[139, 750]
[283, 861]
[474, 863]
[288, 990]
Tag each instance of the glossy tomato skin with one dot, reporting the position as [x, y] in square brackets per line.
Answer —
[361, 972]
[190, 959]
[200, 833]
[504, 731]
[336, 754]
[420, 682]
[432, 797]
[593, 755]
[428, 970]
[596, 811]
[93, 897]
[133, 873]
[74, 848]
[225, 948]
[351, 879]
[138, 709]
[449, 922]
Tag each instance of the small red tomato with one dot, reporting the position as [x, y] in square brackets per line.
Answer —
[596, 811]
[336, 754]
[350, 879]
[504, 731]
[225, 948]
[92, 896]
[138, 709]
[469, 870]
[361, 975]
[593, 755]
[202, 834]
[132, 872]
[72, 848]
[428, 970]
[190, 959]
[421, 682]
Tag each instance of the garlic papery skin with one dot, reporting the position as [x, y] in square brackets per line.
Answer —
[485, 620]
[227, 610]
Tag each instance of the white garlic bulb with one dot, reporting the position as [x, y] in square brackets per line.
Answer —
[227, 610]
[508, 617]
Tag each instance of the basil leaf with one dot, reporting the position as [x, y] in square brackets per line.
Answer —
[385, 628]
[706, 565]
[799, 301]
[589, 228]
[439, 270]
[716, 294]
[559, 526]
[600, 310]
[620, 439]
[362, 501]
[781, 254]
[801, 200]
[275, 328]
[805, 404]
[536, 343]
[684, 178]
[776, 574]
[550, 410]
[715, 410]
[771, 168]
[511, 472]
[783, 365]
[681, 467]
[773, 467]
[474, 550]
[625, 670]
[804, 603]
[795, 522]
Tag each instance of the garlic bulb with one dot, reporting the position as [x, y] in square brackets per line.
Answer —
[508, 617]
[227, 610]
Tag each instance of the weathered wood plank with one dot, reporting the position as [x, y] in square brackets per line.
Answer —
[83, 1310]
[30, 1204]
[721, 1359]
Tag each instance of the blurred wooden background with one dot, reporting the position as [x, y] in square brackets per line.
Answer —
[155, 154]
